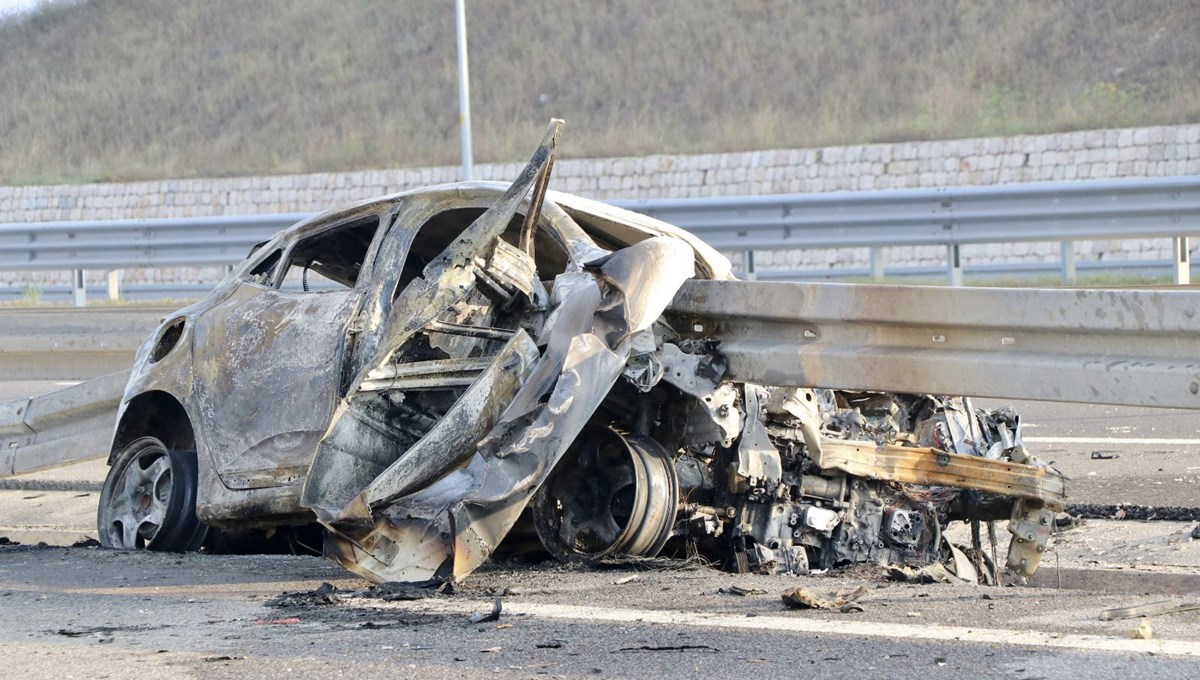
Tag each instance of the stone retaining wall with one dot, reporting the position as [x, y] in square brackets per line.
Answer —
[1096, 154]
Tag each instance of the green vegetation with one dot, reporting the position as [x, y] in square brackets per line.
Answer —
[120, 89]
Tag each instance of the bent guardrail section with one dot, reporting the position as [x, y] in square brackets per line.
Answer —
[1122, 347]
[67, 426]
[1127, 347]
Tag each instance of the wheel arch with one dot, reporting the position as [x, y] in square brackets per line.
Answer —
[154, 413]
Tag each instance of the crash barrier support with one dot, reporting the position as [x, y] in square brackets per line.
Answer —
[950, 217]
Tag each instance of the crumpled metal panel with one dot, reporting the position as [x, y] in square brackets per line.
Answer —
[587, 343]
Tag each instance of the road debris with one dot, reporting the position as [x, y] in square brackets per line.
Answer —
[325, 594]
[493, 615]
[1133, 511]
[1144, 631]
[626, 579]
[1104, 455]
[740, 591]
[930, 573]
[393, 591]
[1148, 609]
[671, 648]
[843, 600]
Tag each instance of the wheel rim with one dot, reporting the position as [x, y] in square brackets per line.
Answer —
[613, 494]
[137, 505]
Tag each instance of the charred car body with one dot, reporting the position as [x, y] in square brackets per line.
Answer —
[463, 358]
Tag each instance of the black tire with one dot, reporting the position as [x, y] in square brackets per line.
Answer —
[148, 500]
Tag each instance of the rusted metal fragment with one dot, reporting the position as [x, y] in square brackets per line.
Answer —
[931, 467]
[1030, 526]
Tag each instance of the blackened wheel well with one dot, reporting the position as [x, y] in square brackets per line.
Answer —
[154, 414]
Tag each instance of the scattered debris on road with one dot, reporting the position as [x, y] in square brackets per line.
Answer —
[1149, 609]
[325, 594]
[930, 573]
[671, 648]
[1144, 631]
[1133, 511]
[843, 600]
[493, 615]
[740, 591]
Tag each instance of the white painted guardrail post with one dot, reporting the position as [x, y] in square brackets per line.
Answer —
[80, 288]
[1068, 263]
[954, 258]
[1183, 262]
[114, 284]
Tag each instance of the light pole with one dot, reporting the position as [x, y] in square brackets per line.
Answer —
[464, 90]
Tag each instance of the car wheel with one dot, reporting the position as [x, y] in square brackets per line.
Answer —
[611, 494]
[148, 500]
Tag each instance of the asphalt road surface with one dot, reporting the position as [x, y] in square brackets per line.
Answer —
[79, 612]
[90, 613]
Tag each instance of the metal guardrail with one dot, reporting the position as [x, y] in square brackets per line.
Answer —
[1132, 347]
[61, 427]
[1124, 347]
[949, 217]
[121, 244]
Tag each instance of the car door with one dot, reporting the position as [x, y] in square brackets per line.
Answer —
[268, 358]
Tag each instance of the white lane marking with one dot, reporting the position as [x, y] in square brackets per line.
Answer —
[1114, 441]
[800, 624]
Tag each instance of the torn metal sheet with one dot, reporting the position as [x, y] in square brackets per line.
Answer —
[484, 361]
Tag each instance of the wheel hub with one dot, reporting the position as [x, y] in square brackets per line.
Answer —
[612, 493]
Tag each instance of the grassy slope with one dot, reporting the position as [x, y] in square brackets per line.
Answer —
[118, 89]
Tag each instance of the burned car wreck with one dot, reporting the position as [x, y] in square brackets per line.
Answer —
[464, 359]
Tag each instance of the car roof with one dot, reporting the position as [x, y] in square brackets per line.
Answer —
[608, 224]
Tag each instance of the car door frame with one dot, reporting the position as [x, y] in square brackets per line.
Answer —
[340, 336]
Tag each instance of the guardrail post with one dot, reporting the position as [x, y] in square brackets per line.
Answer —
[748, 265]
[80, 287]
[1068, 263]
[876, 263]
[1183, 262]
[114, 284]
[955, 260]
